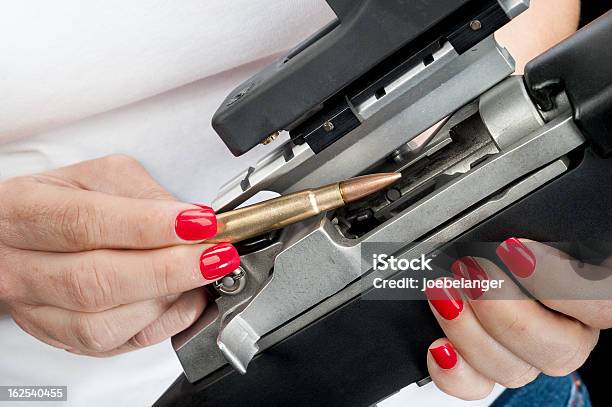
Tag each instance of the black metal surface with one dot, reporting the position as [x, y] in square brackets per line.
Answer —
[327, 126]
[366, 35]
[477, 29]
[357, 355]
[592, 9]
[369, 349]
[580, 66]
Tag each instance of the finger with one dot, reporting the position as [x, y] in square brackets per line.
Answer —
[180, 316]
[38, 216]
[97, 332]
[114, 175]
[102, 279]
[36, 331]
[583, 291]
[453, 375]
[472, 341]
[549, 341]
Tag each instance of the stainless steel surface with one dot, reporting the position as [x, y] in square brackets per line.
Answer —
[405, 83]
[432, 95]
[196, 347]
[233, 283]
[322, 262]
[413, 103]
[453, 230]
[261, 177]
[315, 266]
[514, 7]
[508, 112]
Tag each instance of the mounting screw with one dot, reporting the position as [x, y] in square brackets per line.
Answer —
[233, 283]
[394, 194]
[475, 25]
[328, 126]
[240, 94]
[270, 138]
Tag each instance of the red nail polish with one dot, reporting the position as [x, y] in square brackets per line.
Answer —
[445, 356]
[219, 261]
[517, 257]
[446, 301]
[196, 224]
[467, 268]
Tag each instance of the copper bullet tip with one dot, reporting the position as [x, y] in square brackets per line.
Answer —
[359, 187]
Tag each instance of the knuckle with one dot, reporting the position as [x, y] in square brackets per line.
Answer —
[84, 332]
[5, 285]
[76, 289]
[141, 340]
[121, 162]
[154, 192]
[185, 318]
[5, 207]
[78, 224]
[10, 209]
[572, 358]
[510, 326]
[166, 270]
[601, 318]
[161, 329]
[94, 334]
[12, 285]
[521, 379]
[89, 287]
[187, 314]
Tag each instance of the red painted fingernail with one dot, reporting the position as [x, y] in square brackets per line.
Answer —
[469, 269]
[219, 261]
[196, 224]
[445, 356]
[447, 301]
[517, 257]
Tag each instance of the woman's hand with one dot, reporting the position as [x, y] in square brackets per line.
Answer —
[502, 335]
[98, 259]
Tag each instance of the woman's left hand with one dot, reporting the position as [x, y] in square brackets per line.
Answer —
[503, 335]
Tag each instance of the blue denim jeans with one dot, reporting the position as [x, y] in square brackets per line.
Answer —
[546, 391]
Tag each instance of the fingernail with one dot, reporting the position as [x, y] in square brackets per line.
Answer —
[445, 356]
[467, 268]
[196, 224]
[446, 301]
[219, 261]
[517, 257]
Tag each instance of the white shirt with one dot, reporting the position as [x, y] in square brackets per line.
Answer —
[84, 79]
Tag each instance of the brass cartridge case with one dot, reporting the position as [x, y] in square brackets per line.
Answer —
[254, 220]
[262, 217]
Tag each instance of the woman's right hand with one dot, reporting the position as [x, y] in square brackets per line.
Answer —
[98, 259]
